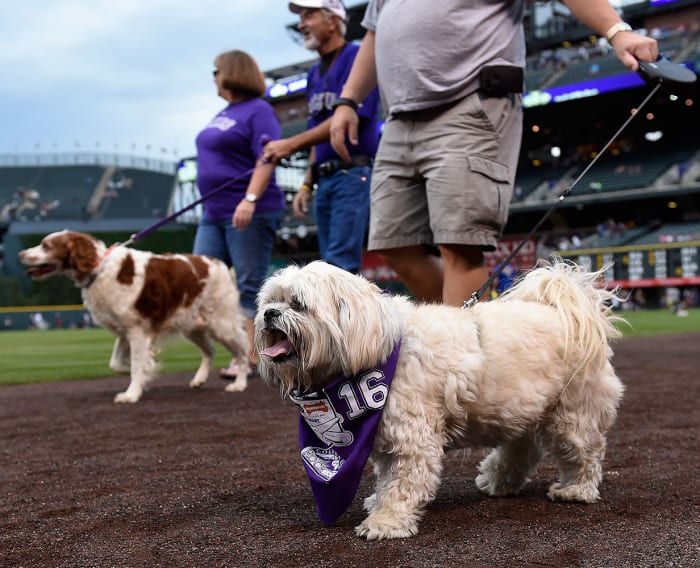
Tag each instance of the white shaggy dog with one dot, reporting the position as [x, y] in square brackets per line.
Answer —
[527, 373]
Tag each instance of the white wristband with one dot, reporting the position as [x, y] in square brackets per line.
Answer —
[616, 29]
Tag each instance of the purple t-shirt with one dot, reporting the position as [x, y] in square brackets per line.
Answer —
[227, 149]
[321, 93]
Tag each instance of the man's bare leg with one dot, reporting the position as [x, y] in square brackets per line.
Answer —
[464, 272]
[419, 270]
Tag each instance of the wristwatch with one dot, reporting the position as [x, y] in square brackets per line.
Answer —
[616, 29]
[251, 197]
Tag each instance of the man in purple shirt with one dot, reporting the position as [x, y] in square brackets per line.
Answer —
[341, 199]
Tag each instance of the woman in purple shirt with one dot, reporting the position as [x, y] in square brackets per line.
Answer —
[239, 222]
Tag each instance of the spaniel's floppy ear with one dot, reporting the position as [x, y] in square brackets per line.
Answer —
[83, 254]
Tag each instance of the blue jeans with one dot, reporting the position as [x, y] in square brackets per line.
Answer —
[249, 251]
[341, 207]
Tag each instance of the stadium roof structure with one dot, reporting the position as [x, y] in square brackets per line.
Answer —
[85, 158]
[291, 70]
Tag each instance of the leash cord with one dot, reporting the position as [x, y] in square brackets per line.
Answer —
[165, 220]
[264, 139]
[474, 298]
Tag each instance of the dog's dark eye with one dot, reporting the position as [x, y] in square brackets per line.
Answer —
[296, 305]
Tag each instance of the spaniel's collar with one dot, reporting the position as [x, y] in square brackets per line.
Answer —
[95, 273]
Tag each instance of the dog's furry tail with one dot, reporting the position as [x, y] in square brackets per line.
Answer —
[585, 307]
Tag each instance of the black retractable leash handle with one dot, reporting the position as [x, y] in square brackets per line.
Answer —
[663, 70]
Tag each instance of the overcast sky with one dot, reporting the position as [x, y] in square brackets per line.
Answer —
[132, 76]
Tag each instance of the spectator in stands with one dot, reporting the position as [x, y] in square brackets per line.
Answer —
[240, 222]
[341, 199]
[604, 45]
[447, 157]
[37, 321]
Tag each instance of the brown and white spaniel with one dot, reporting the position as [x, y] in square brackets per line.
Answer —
[141, 297]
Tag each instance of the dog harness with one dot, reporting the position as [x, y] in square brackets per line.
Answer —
[337, 427]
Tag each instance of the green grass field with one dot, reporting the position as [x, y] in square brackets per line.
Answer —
[62, 354]
[67, 354]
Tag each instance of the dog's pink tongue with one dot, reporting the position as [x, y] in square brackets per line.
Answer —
[281, 348]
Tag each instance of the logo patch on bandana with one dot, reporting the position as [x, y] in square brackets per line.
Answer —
[344, 416]
[324, 461]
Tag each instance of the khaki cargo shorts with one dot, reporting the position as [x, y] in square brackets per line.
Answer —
[445, 176]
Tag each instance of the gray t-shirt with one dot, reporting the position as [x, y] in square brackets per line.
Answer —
[429, 53]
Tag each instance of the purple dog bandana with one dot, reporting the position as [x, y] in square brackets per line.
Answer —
[336, 433]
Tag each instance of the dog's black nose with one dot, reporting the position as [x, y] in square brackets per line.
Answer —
[271, 314]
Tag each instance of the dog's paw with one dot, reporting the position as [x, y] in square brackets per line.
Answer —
[237, 386]
[581, 493]
[487, 485]
[493, 487]
[118, 367]
[126, 397]
[376, 528]
[484, 484]
[196, 383]
[370, 502]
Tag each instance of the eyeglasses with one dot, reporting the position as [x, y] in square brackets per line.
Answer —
[215, 72]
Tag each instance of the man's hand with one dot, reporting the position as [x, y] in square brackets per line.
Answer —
[629, 47]
[301, 204]
[344, 122]
[277, 150]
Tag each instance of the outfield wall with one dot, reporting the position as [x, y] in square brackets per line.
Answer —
[70, 316]
[648, 266]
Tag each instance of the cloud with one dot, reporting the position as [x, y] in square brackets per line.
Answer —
[126, 71]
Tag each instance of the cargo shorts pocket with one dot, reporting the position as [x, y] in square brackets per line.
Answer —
[493, 192]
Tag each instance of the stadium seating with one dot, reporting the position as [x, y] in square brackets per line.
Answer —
[671, 232]
[535, 79]
[536, 183]
[135, 193]
[622, 238]
[66, 188]
[15, 177]
[594, 68]
[544, 72]
[636, 170]
[693, 52]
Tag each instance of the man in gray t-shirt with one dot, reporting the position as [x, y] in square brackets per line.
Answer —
[450, 77]
[429, 54]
